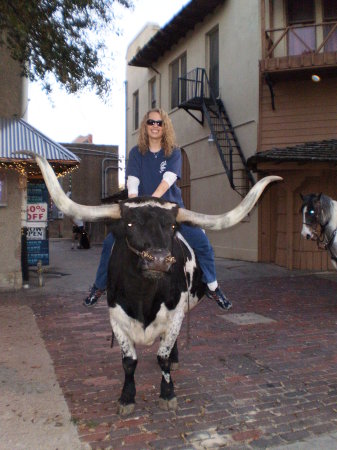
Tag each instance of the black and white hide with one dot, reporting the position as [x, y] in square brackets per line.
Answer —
[153, 278]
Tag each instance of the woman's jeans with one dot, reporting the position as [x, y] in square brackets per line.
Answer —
[196, 238]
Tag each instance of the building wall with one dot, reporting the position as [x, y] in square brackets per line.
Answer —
[281, 220]
[239, 52]
[304, 111]
[10, 234]
[85, 184]
[13, 103]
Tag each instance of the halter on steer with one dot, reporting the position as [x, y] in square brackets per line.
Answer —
[148, 256]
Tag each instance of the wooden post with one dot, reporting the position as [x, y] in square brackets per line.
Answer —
[290, 225]
[263, 28]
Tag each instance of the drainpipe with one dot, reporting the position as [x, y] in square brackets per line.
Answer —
[126, 127]
[24, 229]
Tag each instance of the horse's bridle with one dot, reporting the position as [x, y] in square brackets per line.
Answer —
[322, 240]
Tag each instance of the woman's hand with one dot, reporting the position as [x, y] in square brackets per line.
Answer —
[161, 189]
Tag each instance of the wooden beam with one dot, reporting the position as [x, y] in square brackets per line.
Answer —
[263, 27]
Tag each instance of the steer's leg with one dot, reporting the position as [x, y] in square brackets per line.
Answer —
[174, 356]
[168, 399]
[126, 402]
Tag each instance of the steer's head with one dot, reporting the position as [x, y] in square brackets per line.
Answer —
[148, 226]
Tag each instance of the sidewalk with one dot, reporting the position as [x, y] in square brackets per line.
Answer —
[263, 375]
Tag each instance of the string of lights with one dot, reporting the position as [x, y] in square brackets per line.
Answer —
[32, 171]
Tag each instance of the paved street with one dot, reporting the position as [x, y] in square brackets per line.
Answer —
[263, 375]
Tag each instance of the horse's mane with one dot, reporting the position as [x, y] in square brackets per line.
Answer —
[326, 207]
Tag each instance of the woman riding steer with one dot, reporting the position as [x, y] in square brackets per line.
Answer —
[153, 168]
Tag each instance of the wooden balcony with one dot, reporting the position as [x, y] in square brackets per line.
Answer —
[300, 48]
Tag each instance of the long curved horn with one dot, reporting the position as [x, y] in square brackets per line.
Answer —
[231, 218]
[64, 203]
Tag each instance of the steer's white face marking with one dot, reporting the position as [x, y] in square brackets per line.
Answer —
[152, 204]
[306, 232]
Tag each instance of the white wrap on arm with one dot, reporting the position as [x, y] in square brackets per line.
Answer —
[170, 178]
[132, 184]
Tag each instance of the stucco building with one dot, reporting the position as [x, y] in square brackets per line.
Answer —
[15, 173]
[236, 79]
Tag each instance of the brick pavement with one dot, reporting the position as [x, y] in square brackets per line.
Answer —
[247, 386]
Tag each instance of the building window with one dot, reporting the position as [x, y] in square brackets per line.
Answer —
[136, 110]
[3, 189]
[153, 93]
[330, 15]
[213, 48]
[178, 69]
[302, 39]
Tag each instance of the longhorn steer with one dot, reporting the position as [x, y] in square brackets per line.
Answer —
[153, 273]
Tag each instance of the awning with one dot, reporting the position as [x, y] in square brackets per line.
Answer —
[17, 134]
[317, 151]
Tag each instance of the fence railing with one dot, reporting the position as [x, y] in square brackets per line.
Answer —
[301, 39]
[194, 85]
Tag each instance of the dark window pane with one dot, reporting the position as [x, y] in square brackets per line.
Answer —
[153, 94]
[214, 61]
[174, 83]
[301, 11]
[329, 10]
[136, 110]
[183, 71]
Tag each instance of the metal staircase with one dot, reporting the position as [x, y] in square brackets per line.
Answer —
[195, 94]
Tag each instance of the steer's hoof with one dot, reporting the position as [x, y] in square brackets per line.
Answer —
[125, 410]
[174, 366]
[168, 404]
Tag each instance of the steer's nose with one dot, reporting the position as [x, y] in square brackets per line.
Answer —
[308, 237]
[158, 259]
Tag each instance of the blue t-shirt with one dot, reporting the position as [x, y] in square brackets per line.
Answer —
[150, 168]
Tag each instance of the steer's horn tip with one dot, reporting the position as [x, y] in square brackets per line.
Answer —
[272, 178]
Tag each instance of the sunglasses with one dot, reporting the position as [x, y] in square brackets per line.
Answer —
[152, 122]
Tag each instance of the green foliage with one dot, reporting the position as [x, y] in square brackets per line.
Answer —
[63, 38]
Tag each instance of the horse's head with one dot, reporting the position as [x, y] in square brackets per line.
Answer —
[311, 210]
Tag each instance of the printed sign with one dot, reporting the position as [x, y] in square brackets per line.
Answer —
[37, 224]
[38, 251]
[37, 212]
[36, 232]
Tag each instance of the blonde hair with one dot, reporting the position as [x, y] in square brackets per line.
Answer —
[168, 141]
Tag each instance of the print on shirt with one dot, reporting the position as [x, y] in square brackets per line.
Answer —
[163, 166]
